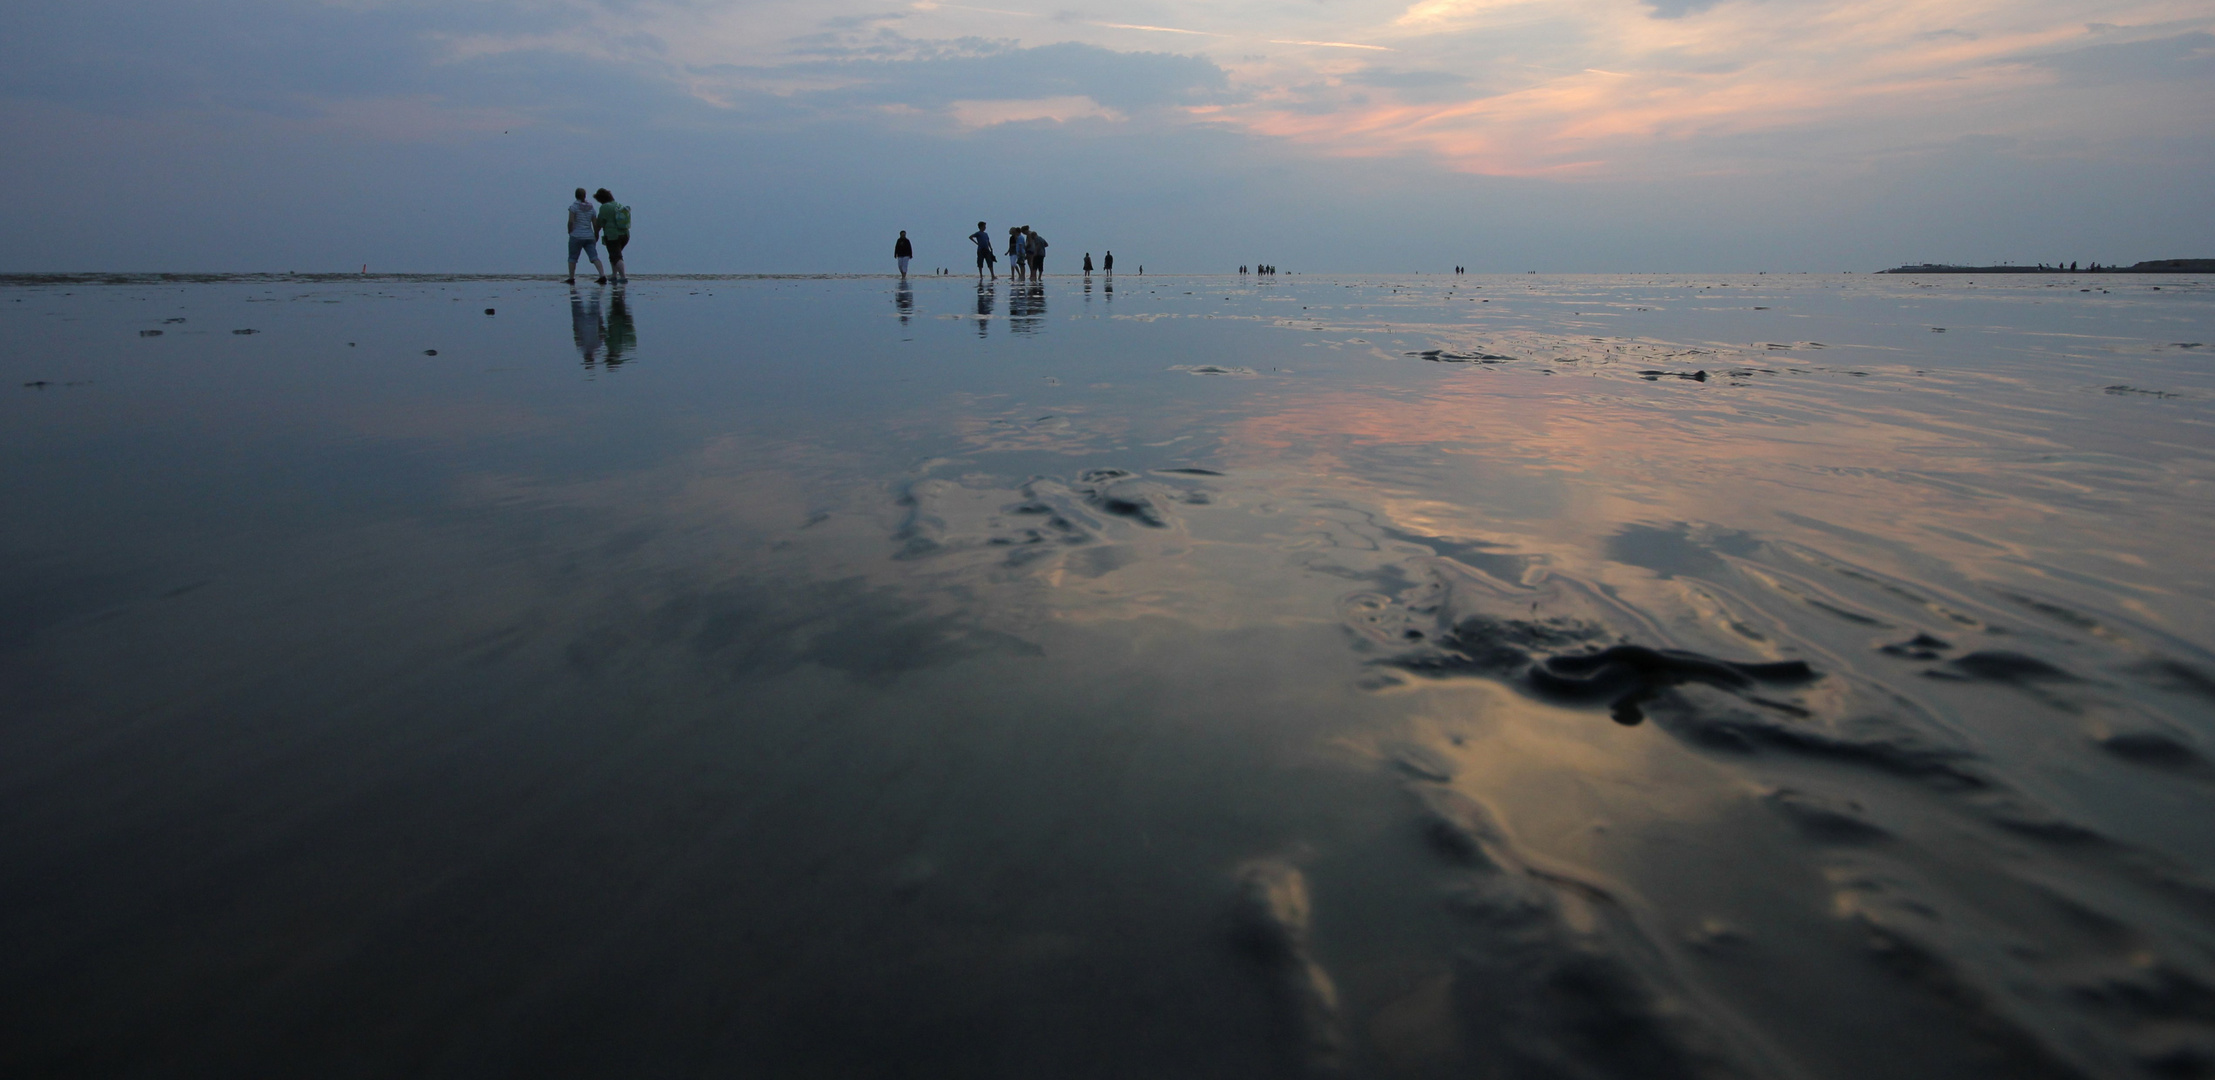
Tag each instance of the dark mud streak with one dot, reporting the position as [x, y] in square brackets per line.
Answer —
[1623, 676]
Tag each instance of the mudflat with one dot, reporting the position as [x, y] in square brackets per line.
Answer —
[1645, 676]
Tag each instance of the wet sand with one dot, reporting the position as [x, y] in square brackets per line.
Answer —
[1646, 676]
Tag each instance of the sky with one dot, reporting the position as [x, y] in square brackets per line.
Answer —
[1343, 136]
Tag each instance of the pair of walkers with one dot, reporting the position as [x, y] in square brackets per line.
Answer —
[1026, 252]
[610, 224]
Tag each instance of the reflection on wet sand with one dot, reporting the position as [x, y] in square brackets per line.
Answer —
[590, 330]
[987, 295]
[586, 328]
[1026, 306]
[1343, 679]
[622, 336]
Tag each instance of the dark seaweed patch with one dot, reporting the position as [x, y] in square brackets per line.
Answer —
[1709, 718]
[1919, 647]
[1443, 356]
[2155, 748]
[1622, 675]
[1997, 665]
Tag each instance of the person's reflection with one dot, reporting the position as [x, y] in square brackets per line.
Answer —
[1026, 306]
[585, 327]
[987, 293]
[622, 334]
[903, 299]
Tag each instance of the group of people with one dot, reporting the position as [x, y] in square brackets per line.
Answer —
[1263, 268]
[1026, 253]
[609, 223]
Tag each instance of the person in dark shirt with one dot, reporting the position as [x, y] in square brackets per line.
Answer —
[983, 239]
[902, 251]
[1087, 262]
[1108, 263]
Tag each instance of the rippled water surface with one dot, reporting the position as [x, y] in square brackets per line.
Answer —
[1782, 676]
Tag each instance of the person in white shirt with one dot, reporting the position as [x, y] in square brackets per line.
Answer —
[1019, 261]
[584, 230]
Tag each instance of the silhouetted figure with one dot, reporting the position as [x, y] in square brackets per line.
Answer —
[1108, 264]
[583, 230]
[983, 239]
[1088, 264]
[614, 225]
[1034, 248]
[902, 251]
[1018, 260]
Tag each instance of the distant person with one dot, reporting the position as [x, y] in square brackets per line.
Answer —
[902, 251]
[1088, 263]
[614, 224]
[583, 230]
[983, 239]
[1108, 264]
[1018, 259]
[1035, 246]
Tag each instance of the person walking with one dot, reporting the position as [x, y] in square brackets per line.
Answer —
[902, 251]
[1018, 260]
[583, 230]
[613, 223]
[983, 239]
[1034, 245]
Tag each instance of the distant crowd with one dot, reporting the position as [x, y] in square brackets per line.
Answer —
[1026, 254]
[609, 224]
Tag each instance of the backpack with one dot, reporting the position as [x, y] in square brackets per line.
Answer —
[622, 219]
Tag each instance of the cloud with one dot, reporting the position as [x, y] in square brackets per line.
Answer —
[1061, 110]
[1116, 83]
[2188, 56]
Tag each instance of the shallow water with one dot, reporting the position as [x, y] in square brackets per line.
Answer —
[1794, 676]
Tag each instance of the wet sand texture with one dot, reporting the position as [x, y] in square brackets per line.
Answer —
[1528, 677]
